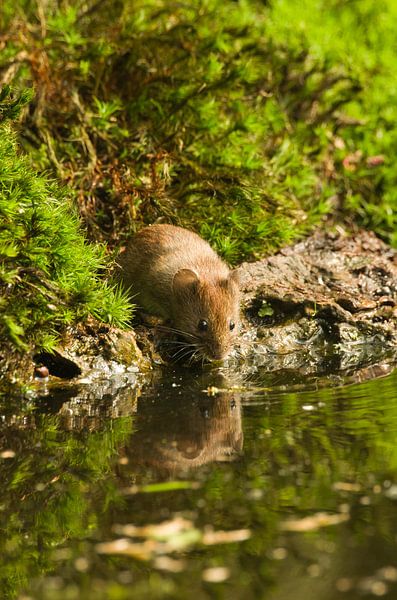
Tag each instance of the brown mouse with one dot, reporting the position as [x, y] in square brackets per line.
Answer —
[172, 273]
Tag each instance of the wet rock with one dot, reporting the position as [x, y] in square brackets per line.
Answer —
[15, 367]
[95, 351]
[331, 295]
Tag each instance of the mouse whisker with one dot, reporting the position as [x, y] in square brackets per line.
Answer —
[185, 349]
[191, 345]
[194, 356]
[176, 343]
[174, 330]
[182, 355]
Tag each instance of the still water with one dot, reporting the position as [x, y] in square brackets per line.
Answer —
[203, 485]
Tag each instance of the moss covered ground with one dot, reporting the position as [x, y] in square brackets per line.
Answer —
[49, 273]
[250, 122]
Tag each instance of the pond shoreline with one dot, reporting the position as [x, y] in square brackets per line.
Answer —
[327, 302]
[329, 298]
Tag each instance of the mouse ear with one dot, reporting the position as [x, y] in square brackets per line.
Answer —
[235, 276]
[184, 279]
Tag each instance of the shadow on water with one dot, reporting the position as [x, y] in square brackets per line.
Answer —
[202, 484]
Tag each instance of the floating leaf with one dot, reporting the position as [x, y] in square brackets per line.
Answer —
[159, 531]
[314, 522]
[225, 537]
[159, 539]
[216, 574]
[168, 486]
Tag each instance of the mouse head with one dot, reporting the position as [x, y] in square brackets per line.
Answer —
[206, 312]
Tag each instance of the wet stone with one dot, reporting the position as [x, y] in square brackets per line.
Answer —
[333, 295]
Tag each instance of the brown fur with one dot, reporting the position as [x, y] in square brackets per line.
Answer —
[174, 443]
[173, 273]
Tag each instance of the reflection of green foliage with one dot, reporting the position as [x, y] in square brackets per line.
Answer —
[47, 495]
[48, 272]
[241, 119]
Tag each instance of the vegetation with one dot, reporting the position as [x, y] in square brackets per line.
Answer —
[251, 122]
[248, 121]
[48, 272]
[50, 488]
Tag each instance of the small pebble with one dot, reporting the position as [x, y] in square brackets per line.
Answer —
[7, 454]
[344, 584]
[279, 553]
[255, 494]
[125, 577]
[216, 574]
[314, 570]
[41, 372]
[379, 588]
[391, 491]
[388, 573]
[81, 564]
[85, 380]
[365, 500]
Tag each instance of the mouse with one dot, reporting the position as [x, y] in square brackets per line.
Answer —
[172, 273]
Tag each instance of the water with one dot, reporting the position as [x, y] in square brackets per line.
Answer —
[280, 487]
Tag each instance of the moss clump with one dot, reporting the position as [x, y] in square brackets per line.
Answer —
[248, 121]
[49, 273]
[174, 111]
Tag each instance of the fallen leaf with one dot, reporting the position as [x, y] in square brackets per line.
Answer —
[7, 454]
[216, 574]
[142, 551]
[161, 531]
[168, 486]
[314, 522]
[165, 563]
[345, 486]
[211, 537]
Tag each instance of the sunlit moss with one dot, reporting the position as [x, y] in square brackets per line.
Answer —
[49, 273]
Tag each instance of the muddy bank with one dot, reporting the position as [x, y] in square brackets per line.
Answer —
[324, 305]
[327, 303]
[88, 353]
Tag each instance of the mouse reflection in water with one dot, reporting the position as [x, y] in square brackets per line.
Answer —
[169, 443]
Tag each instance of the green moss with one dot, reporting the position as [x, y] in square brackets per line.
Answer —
[247, 121]
[49, 273]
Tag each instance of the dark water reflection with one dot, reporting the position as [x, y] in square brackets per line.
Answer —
[257, 459]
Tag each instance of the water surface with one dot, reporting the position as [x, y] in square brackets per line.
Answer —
[203, 485]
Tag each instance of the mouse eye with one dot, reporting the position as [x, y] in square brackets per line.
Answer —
[203, 325]
[232, 325]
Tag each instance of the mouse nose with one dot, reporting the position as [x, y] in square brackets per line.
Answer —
[218, 352]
